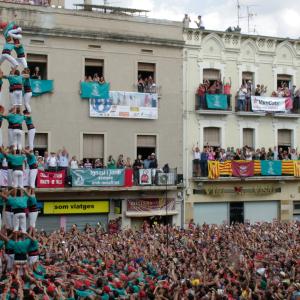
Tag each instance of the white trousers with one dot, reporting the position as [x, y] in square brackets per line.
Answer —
[9, 219]
[32, 177]
[9, 58]
[20, 222]
[27, 98]
[33, 259]
[17, 97]
[17, 179]
[10, 137]
[15, 33]
[31, 135]
[10, 258]
[22, 61]
[32, 217]
[17, 139]
[9, 177]
[11, 99]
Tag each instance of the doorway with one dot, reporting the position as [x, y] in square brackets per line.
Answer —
[236, 212]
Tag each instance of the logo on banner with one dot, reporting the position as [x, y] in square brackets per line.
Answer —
[270, 168]
[95, 91]
[37, 87]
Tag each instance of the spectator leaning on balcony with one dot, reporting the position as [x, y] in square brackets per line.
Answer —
[201, 96]
[36, 73]
[241, 95]
[137, 165]
[52, 162]
[98, 164]
[63, 159]
[203, 162]
[147, 162]
[111, 163]
[196, 161]
[128, 163]
[87, 164]
[73, 163]
[120, 162]
[140, 84]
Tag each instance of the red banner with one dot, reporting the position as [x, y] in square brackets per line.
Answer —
[242, 168]
[51, 179]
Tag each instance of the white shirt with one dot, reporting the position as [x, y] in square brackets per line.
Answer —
[74, 164]
[197, 155]
[52, 161]
[63, 160]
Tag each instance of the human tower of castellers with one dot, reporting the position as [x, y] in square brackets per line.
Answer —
[18, 205]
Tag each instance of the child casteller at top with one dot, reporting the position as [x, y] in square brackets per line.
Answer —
[13, 34]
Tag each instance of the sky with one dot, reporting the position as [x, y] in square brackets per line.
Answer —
[270, 17]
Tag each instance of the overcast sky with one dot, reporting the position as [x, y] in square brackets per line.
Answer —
[273, 17]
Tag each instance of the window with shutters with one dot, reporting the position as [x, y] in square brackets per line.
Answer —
[146, 70]
[212, 136]
[40, 143]
[284, 80]
[93, 67]
[93, 147]
[37, 64]
[211, 75]
[248, 137]
[284, 138]
[146, 145]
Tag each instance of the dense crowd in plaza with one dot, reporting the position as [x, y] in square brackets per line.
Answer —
[209, 262]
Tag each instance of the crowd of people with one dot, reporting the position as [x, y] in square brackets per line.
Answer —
[146, 85]
[95, 78]
[213, 87]
[209, 153]
[238, 261]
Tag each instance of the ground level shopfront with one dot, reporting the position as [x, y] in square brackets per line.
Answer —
[67, 206]
[252, 200]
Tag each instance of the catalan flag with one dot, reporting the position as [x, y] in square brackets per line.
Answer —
[213, 169]
[296, 168]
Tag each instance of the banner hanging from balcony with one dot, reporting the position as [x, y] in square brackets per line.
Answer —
[271, 167]
[50, 179]
[40, 87]
[297, 168]
[213, 169]
[271, 104]
[97, 177]
[151, 205]
[216, 101]
[241, 168]
[93, 90]
[130, 105]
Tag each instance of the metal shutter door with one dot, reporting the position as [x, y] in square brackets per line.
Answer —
[284, 137]
[264, 211]
[82, 220]
[48, 223]
[210, 213]
[93, 145]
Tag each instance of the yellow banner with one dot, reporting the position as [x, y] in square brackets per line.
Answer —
[76, 207]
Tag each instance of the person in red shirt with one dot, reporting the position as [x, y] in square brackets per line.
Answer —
[201, 97]
[227, 90]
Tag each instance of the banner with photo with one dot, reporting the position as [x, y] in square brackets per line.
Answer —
[130, 105]
[92, 90]
[271, 167]
[271, 104]
[40, 87]
[217, 101]
[145, 176]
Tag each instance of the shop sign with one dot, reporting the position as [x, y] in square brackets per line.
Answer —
[214, 191]
[75, 207]
[153, 204]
